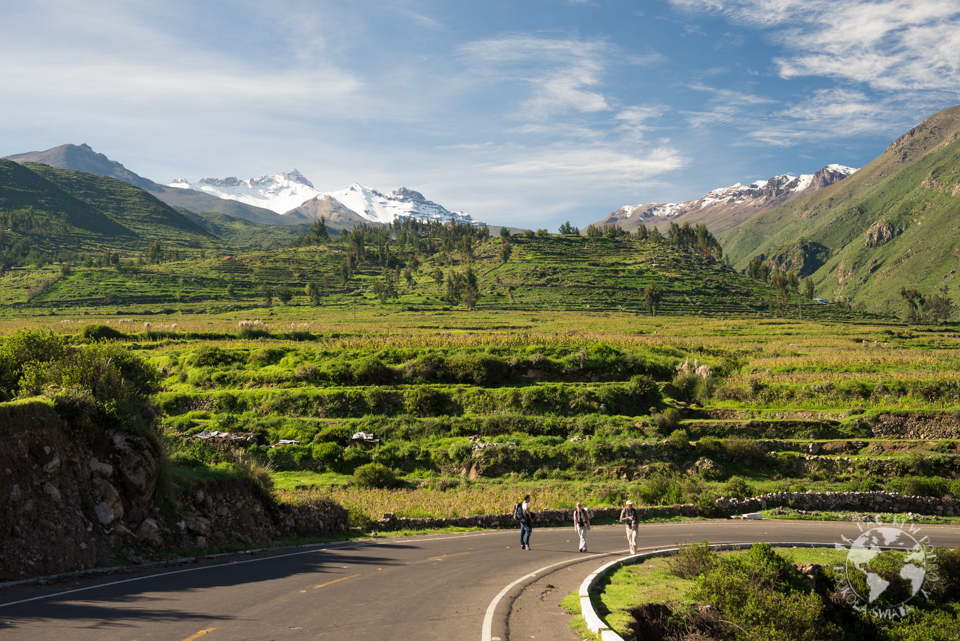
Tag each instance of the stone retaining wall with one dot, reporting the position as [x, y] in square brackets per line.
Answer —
[870, 502]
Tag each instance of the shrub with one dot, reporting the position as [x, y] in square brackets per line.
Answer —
[762, 595]
[666, 420]
[372, 371]
[693, 560]
[459, 453]
[739, 448]
[210, 356]
[28, 346]
[100, 333]
[374, 475]
[328, 456]
[426, 401]
[737, 488]
[266, 355]
[477, 369]
[918, 486]
[678, 439]
[709, 446]
[661, 489]
[645, 391]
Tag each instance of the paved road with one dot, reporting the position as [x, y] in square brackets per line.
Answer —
[434, 587]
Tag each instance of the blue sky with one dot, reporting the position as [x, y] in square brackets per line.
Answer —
[521, 112]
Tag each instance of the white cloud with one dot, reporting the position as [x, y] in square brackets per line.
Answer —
[560, 73]
[600, 165]
[888, 45]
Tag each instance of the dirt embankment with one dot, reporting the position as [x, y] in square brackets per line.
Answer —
[68, 503]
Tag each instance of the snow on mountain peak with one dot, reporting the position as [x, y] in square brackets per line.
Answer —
[378, 207]
[280, 192]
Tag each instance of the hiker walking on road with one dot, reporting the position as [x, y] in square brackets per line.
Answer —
[526, 523]
[581, 523]
[629, 517]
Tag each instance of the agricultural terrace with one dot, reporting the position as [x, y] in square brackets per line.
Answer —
[471, 408]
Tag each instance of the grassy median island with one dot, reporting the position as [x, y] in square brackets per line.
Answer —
[776, 595]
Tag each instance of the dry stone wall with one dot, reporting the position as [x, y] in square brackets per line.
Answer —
[869, 502]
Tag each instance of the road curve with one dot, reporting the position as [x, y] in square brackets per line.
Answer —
[432, 587]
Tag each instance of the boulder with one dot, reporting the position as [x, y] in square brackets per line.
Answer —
[149, 532]
[139, 467]
[104, 513]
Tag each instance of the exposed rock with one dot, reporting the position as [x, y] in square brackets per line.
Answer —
[52, 466]
[104, 469]
[139, 467]
[124, 532]
[51, 490]
[104, 512]
[149, 532]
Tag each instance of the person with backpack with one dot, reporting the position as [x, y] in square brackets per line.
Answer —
[581, 523]
[521, 512]
[630, 518]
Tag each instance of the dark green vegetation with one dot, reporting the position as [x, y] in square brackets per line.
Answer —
[763, 594]
[890, 226]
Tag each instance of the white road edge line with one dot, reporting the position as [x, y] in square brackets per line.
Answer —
[486, 633]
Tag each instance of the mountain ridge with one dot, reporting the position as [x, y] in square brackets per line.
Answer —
[891, 225]
[727, 207]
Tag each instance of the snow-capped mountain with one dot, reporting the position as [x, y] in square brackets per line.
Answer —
[280, 193]
[727, 207]
[378, 207]
[291, 194]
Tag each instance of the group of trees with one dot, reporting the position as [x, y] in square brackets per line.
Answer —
[937, 308]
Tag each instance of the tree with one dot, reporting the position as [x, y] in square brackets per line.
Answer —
[319, 231]
[505, 250]
[505, 234]
[284, 294]
[386, 287]
[346, 271]
[594, 233]
[463, 287]
[312, 292]
[642, 233]
[566, 229]
[915, 301]
[438, 277]
[808, 288]
[938, 308]
[155, 252]
[653, 294]
[267, 294]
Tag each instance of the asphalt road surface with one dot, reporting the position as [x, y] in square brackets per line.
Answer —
[463, 586]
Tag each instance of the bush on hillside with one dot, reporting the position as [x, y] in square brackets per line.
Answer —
[933, 486]
[374, 475]
[693, 560]
[101, 333]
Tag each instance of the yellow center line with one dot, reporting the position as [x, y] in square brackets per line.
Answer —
[199, 634]
[445, 555]
[337, 581]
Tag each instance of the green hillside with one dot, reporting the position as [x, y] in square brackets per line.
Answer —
[891, 225]
[541, 273]
[242, 232]
[24, 190]
[126, 204]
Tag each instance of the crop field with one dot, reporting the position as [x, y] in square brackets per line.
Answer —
[485, 368]
[471, 408]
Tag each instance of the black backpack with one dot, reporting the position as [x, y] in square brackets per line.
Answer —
[518, 512]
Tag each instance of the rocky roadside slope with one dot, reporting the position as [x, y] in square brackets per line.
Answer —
[68, 502]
